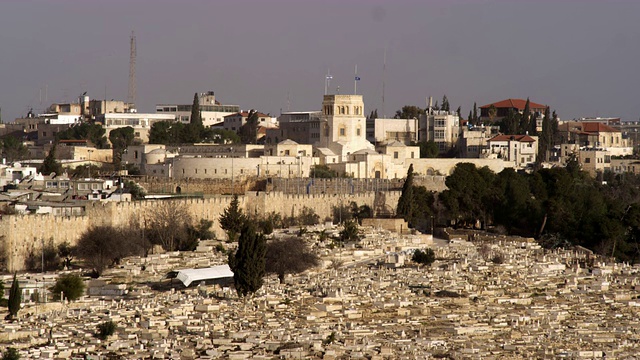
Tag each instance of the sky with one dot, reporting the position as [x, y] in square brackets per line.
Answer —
[578, 57]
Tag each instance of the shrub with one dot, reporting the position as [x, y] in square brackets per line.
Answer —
[106, 329]
[10, 354]
[70, 285]
[350, 231]
[498, 258]
[426, 257]
[289, 256]
[308, 216]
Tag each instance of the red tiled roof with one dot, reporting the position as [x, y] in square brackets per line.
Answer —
[515, 104]
[520, 138]
[596, 127]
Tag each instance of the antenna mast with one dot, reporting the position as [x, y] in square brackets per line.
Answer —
[131, 99]
[384, 70]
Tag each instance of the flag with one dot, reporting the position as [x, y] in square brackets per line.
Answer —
[357, 78]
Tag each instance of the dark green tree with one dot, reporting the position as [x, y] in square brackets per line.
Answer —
[459, 112]
[470, 195]
[323, 172]
[290, 255]
[232, 220]
[350, 231]
[525, 119]
[70, 285]
[11, 354]
[409, 112]
[374, 114]
[65, 252]
[428, 149]
[15, 297]
[50, 164]
[476, 119]
[222, 136]
[546, 137]
[405, 203]
[106, 329]
[93, 133]
[166, 132]
[120, 138]
[249, 131]
[426, 257]
[13, 149]
[194, 130]
[248, 263]
[445, 104]
[470, 118]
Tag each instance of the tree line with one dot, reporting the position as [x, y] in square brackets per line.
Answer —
[558, 206]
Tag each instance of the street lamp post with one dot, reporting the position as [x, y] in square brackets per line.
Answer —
[232, 179]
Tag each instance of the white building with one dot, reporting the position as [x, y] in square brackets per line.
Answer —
[386, 130]
[521, 149]
[442, 127]
[140, 122]
[211, 111]
[235, 121]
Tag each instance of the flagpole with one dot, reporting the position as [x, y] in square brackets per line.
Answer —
[355, 81]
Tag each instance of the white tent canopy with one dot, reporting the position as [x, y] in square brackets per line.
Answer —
[187, 276]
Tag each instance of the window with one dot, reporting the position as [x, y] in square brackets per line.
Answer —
[587, 160]
[412, 154]
[440, 123]
[342, 131]
[358, 131]
[395, 154]
[438, 134]
[44, 133]
[286, 152]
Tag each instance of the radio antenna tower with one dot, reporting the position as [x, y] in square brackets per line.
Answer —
[131, 99]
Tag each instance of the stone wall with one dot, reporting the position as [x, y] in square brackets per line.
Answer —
[21, 233]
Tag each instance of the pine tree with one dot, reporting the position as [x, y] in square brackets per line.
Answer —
[405, 203]
[15, 297]
[50, 164]
[248, 263]
[459, 112]
[232, 220]
[470, 118]
[445, 104]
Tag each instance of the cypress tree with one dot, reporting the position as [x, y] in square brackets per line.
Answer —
[50, 164]
[193, 131]
[525, 120]
[196, 116]
[546, 137]
[15, 296]
[248, 263]
[232, 220]
[475, 114]
[445, 104]
[406, 198]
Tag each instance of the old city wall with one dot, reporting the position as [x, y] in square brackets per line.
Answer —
[21, 234]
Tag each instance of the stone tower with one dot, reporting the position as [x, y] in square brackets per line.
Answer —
[344, 130]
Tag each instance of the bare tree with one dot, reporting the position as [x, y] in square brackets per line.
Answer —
[290, 255]
[103, 246]
[168, 224]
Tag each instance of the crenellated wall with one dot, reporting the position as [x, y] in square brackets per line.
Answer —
[20, 233]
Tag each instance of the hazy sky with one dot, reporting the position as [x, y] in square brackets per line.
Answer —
[579, 57]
